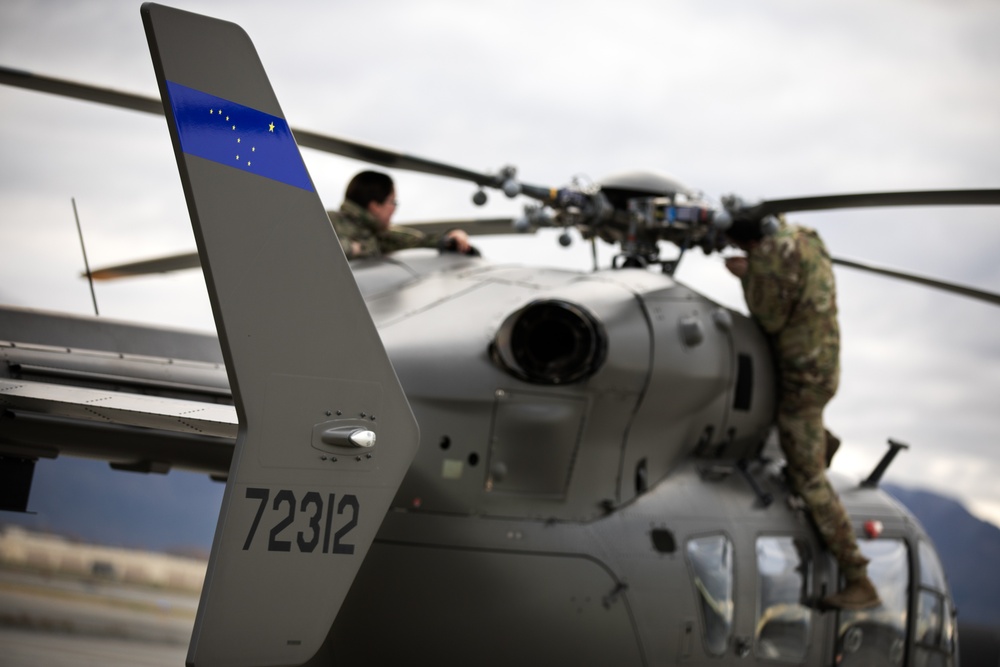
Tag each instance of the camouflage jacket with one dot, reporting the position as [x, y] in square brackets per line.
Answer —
[790, 291]
[356, 225]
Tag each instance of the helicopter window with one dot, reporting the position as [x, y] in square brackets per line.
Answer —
[783, 622]
[935, 625]
[931, 572]
[711, 560]
[929, 613]
[878, 636]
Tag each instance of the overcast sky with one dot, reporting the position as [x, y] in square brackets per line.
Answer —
[765, 99]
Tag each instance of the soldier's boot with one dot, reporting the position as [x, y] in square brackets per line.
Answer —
[859, 594]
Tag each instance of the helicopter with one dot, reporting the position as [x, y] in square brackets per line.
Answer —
[606, 499]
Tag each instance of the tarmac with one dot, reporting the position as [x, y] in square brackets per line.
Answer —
[55, 622]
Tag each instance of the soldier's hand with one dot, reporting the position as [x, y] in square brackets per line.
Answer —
[737, 266]
[460, 239]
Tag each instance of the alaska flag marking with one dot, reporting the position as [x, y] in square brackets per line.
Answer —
[237, 136]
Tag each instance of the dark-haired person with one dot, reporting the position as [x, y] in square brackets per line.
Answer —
[788, 283]
[364, 221]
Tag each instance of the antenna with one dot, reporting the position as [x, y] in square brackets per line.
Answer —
[86, 264]
[876, 476]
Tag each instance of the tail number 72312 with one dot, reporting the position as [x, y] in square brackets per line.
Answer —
[319, 514]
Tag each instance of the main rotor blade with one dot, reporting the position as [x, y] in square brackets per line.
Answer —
[190, 260]
[335, 145]
[387, 158]
[989, 297]
[471, 226]
[187, 260]
[874, 199]
[47, 84]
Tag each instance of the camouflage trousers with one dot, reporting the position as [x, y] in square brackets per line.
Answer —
[803, 440]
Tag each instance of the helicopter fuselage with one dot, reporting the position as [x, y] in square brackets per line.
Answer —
[602, 520]
[597, 480]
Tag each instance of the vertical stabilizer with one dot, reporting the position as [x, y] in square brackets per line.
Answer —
[326, 434]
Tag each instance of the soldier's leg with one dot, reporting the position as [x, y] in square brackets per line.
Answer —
[803, 440]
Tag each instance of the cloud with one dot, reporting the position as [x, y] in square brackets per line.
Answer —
[772, 99]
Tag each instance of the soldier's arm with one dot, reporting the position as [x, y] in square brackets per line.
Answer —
[401, 238]
[354, 247]
[342, 235]
[770, 287]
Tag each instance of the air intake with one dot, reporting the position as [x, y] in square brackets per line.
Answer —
[550, 342]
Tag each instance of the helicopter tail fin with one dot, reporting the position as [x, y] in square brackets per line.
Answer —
[326, 433]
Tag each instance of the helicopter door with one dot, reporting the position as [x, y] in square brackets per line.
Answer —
[784, 625]
[935, 631]
[712, 562]
[877, 637]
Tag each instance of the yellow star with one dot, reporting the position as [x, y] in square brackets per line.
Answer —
[237, 157]
[234, 127]
[248, 163]
[238, 140]
[271, 127]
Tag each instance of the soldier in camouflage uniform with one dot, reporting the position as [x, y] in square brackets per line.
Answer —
[364, 226]
[789, 288]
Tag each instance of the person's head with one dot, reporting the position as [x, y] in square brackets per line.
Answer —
[746, 233]
[374, 192]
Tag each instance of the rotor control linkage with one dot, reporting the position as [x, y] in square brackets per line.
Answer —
[876, 476]
[744, 467]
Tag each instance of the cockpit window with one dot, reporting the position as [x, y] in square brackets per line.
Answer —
[935, 622]
[711, 560]
[930, 619]
[931, 572]
[878, 636]
[783, 622]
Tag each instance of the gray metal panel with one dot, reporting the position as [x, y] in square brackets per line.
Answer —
[145, 412]
[92, 333]
[534, 443]
[119, 408]
[690, 394]
[438, 331]
[486, 608]
[178, 378]
[301, 350]
[383, 275]
[147, 432]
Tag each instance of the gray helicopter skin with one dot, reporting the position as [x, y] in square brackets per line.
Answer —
[596, 480]
[658, 369]
[554, 523]
[547, 523]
